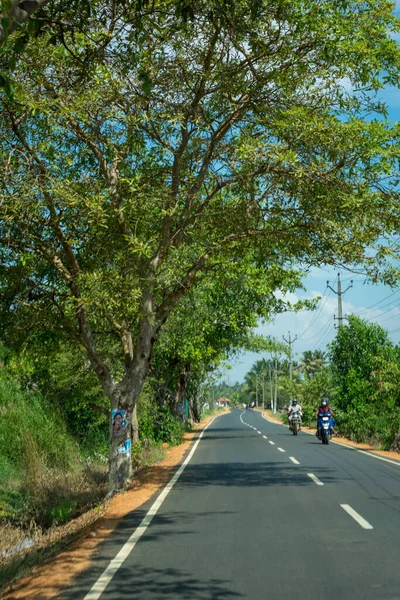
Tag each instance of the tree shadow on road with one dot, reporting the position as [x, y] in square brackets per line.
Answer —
[257, 474]
[141, 583]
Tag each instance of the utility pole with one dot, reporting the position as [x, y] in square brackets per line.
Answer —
[339, 294]
[290, 342]
[270, 385]
[263, 391]
[276, 384]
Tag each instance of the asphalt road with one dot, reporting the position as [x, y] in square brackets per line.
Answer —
[258, 513]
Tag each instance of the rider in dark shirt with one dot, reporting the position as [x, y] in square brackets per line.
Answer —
[323, 408]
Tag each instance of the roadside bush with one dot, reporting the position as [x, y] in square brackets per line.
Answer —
[43, 479]
[32, 434]
[145, 453]
[156, 422]
[360, 424]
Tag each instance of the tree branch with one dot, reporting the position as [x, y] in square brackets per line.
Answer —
[19, 12]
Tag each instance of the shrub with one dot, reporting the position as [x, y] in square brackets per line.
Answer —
[31, 433]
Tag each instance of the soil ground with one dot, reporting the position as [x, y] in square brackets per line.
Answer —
[47, 580]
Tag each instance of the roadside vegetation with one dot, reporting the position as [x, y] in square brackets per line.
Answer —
[169, 171]
[359, 374]
[54, 445]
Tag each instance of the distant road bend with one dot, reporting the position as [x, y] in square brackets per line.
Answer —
[255, 512]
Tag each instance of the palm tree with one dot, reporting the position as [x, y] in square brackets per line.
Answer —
[311, 362]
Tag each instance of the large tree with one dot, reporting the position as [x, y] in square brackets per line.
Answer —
[179, 149]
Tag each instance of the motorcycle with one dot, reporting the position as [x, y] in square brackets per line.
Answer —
[325, 424]
[295, 423]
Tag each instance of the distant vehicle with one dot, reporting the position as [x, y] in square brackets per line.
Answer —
[325, 424]
[295, 423]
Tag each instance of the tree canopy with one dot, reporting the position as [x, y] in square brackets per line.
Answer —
[140, 156]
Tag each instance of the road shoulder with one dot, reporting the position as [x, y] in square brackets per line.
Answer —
[267, 414]
[50, 578]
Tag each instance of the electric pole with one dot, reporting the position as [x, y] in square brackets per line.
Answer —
[339, 294]
[263, 390]
[276, 383]
[270, 385]
[290, 342]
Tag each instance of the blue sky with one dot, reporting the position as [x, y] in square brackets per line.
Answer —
[377, 303]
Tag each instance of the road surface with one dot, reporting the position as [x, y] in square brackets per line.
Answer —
[258, 513]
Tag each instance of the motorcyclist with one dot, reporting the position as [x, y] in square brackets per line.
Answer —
[324, 408]
[294, 408]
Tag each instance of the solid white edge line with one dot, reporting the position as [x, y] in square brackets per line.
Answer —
[107, 575]
[272, 443]
[360, 520]
[315, 479]
[292, 458]
[281, 450]
[392, 462]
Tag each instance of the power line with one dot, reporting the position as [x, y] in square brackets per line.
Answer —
[383, 313]
[327, 327]
[376, 303]
[318, 332]
[316, 314]
[323, 341]
[386, 318]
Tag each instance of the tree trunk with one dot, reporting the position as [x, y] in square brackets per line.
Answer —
[181, 388]
[194, 407]
[120, 473]
[123, 407]
[396, 443]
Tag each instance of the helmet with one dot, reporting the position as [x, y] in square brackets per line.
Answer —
[294, 402]
[324, 402]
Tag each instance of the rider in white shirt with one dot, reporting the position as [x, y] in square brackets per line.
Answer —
[294, 408]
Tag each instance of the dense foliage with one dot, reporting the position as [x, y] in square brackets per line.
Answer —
[360, 376]
[147, 147]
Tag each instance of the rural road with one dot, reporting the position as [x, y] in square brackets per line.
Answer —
[258, 513]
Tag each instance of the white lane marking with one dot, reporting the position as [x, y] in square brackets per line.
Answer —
[315, 479]
[265, 437]
[292, 458]
[107, 575]
[281, 450]
[242, 419]
[259, 432]
[392, 462]
[273, 443]
[360, 520]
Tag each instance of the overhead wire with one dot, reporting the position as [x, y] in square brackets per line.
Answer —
[322, 333]
[377, 303]
[394, 330]
[322, 340]
[316, 314]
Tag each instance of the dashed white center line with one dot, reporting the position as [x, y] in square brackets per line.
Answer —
[281, 450]
[360, 520]
[259, 432]
[315, 479]
[265, 437]
[292, 458]
[273, 443]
